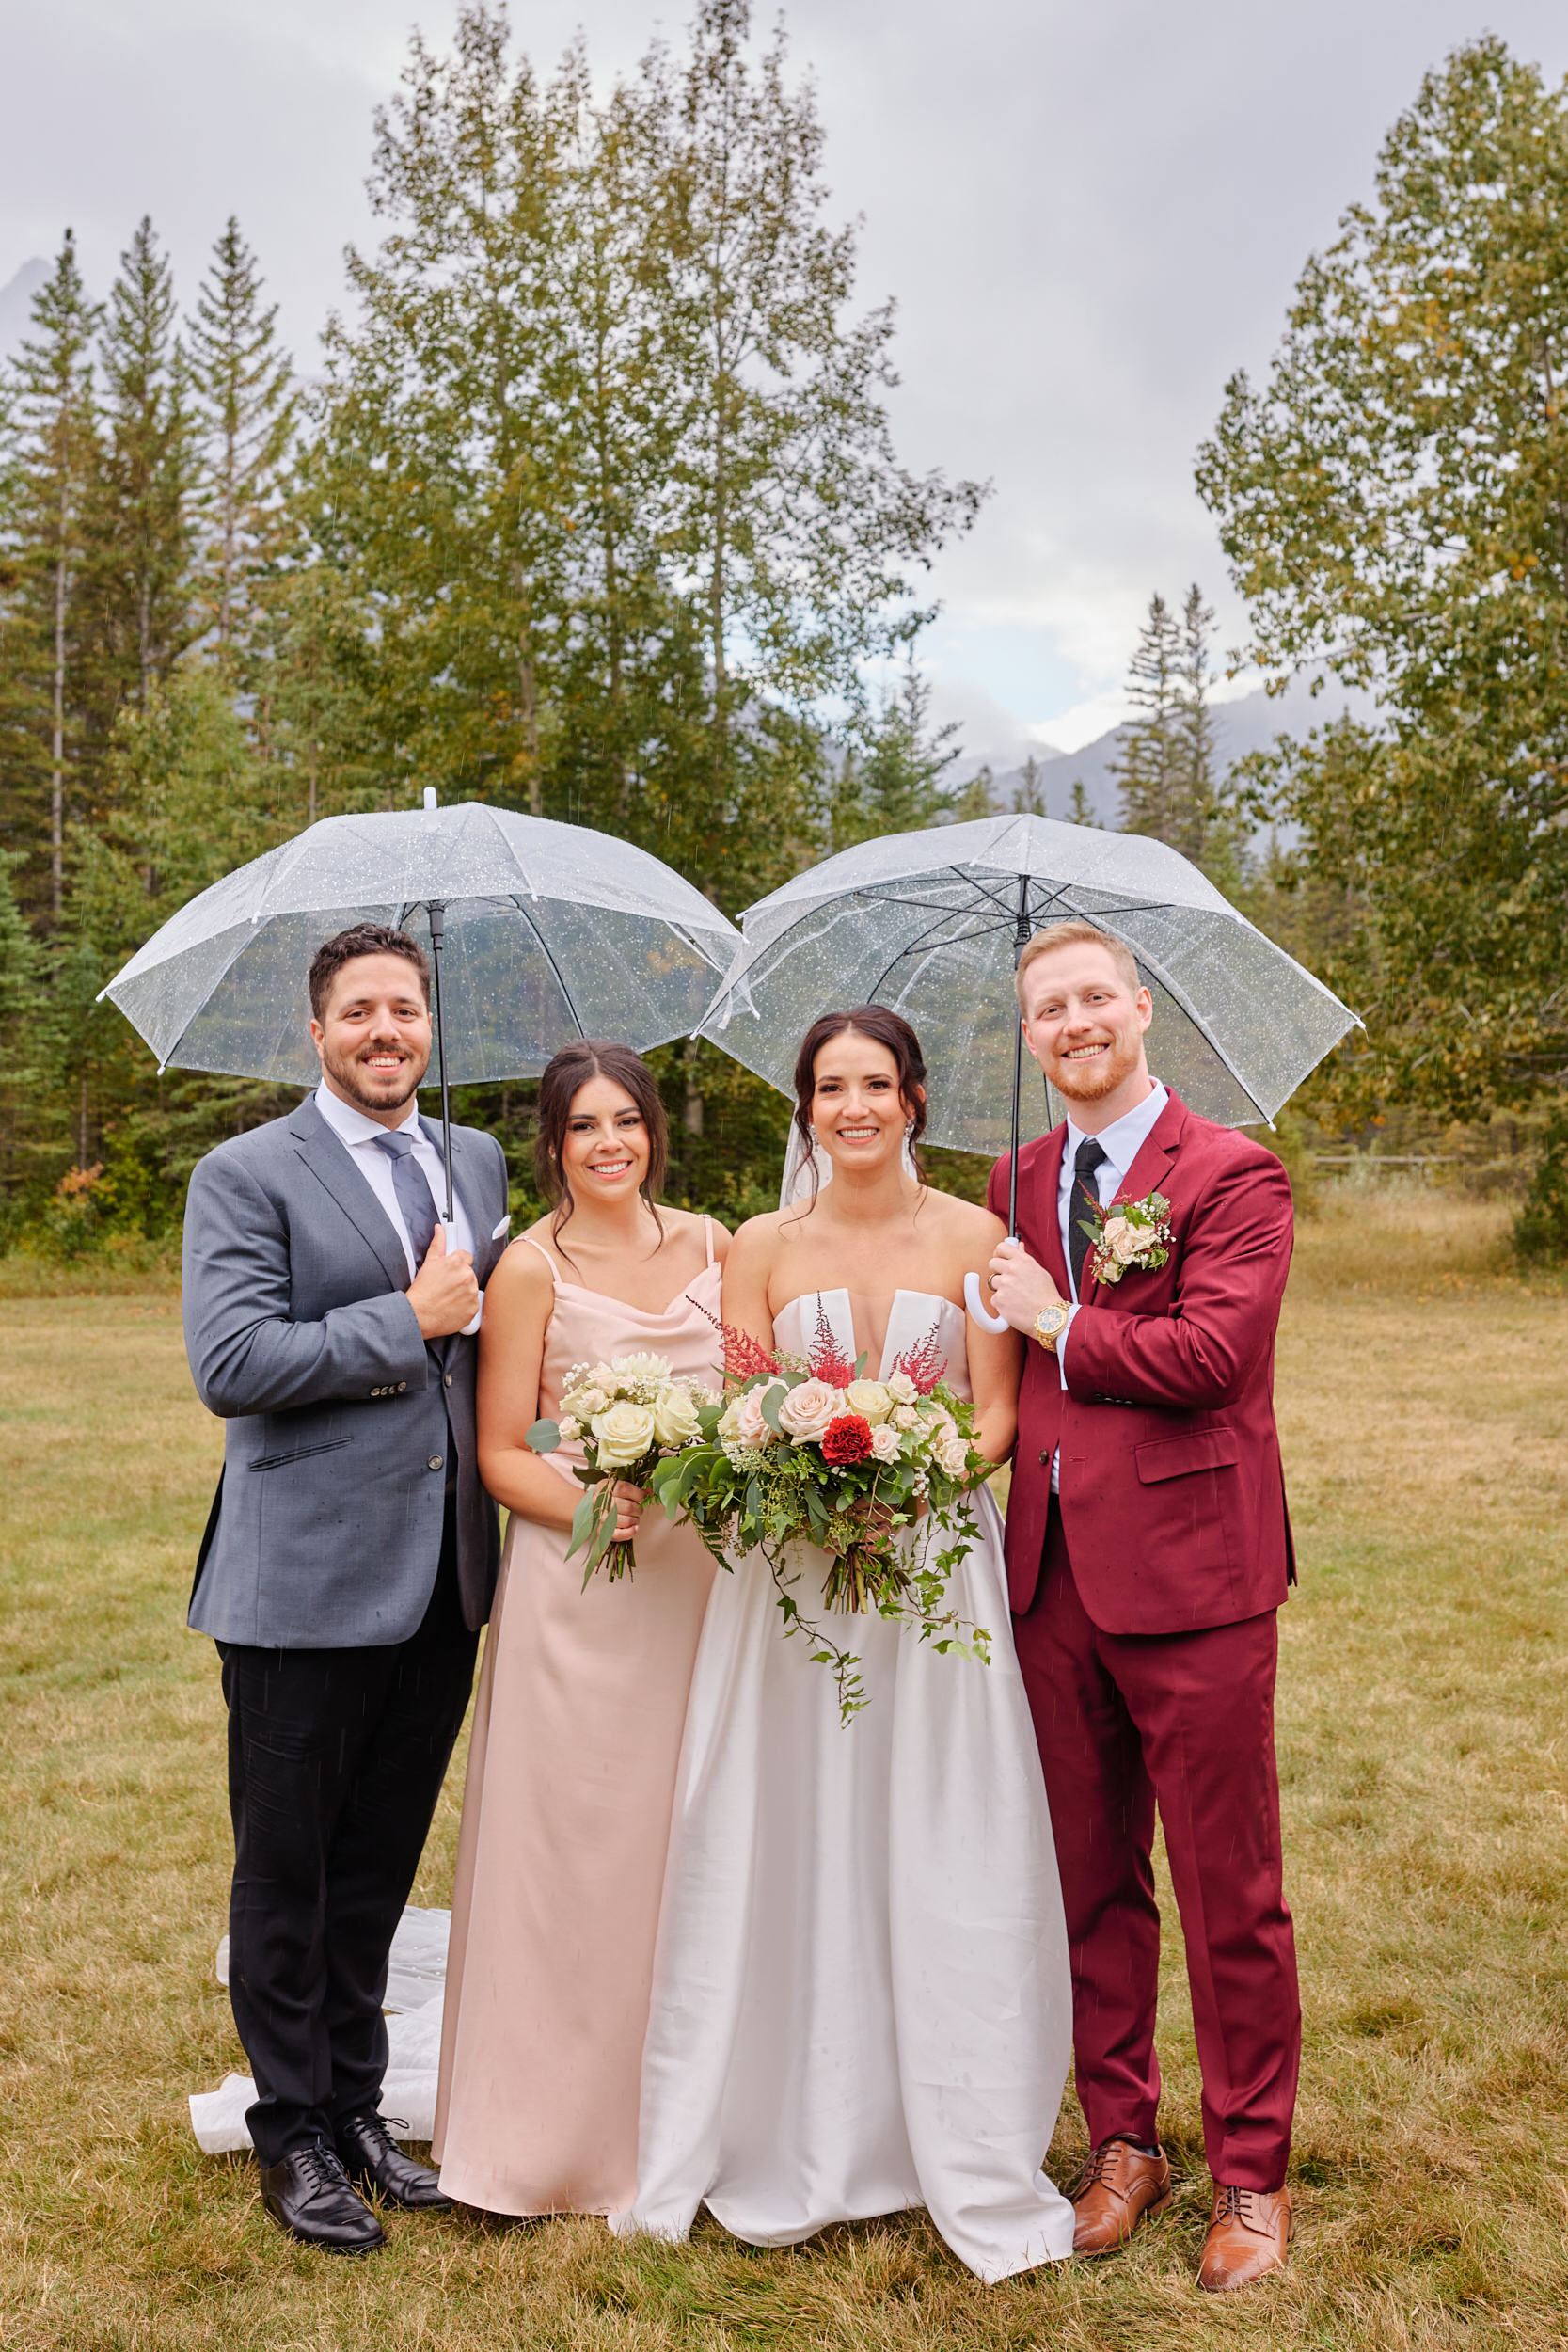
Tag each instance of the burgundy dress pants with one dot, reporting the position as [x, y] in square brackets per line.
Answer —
[1184, 1721]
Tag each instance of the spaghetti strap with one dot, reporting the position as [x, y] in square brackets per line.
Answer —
[555, 1277]
[707, 1236]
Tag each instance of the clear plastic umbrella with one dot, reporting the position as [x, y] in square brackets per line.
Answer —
[931, 924]
[541, 932]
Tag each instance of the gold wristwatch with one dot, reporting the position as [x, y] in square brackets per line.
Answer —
[1051, 1323]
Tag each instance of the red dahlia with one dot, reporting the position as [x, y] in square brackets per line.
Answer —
[847, 1439]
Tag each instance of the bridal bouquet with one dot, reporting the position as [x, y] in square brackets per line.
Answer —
[873, 1472]
[629, 1416]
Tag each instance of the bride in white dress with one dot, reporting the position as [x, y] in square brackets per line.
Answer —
[862, 1999]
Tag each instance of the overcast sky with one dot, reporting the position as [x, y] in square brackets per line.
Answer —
[1090, 216]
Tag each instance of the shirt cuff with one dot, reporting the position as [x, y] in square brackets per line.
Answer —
[1061, 1344]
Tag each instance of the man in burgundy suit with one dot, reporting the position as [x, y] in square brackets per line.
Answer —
[1147, 1552]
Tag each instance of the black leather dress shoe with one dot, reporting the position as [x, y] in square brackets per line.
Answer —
[309, 2194]
[372, 2159]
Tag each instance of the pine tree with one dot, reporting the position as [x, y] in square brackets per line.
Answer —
[1197, 814]
[1150, 768]
[144, 524]
[22, 1030]
[56, 457]
[891, 779]
[1029, 793]
[1078, 809]
[242, 388]
[976, 800]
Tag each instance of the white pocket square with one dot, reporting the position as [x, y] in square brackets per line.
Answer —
[501, 1228]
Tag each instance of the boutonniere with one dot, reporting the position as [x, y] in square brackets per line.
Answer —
[1129, 1236]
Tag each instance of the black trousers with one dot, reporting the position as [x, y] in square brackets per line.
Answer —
[336, 1760]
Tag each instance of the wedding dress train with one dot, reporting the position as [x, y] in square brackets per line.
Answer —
[860, 1996]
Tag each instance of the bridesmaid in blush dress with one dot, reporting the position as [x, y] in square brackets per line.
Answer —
[582, 1696]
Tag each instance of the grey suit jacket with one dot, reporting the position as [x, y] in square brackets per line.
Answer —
[325, 1531]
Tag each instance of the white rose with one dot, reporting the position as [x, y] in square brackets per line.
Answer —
[953, 1457]
[585, 1403]
[675, 1420]
[743, 1423]
[884, 1443]
[1122, 1239]
[902, 1387]
[870, 1399]
[569, 1428]
[905, 1417]
[807, 1410]
[625, 1433]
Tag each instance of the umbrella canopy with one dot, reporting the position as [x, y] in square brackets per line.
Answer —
[930, 923]
[550, 932]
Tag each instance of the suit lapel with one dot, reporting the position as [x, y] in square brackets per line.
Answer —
[1047, 1178]
[1146, 1175]
[326, 1159]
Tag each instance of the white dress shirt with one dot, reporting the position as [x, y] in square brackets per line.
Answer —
[360, 1136]
[1121, 1142]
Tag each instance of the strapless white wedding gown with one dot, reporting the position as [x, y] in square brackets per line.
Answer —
[861, 1997]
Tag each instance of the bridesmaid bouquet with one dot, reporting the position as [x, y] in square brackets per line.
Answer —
[812, 1453]
[629, 1416]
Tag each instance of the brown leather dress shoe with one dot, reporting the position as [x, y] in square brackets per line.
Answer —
[1117, 2189]
[1248, 2234]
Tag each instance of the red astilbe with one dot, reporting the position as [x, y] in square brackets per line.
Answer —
[826, 1360]
[922, 1365]
[744, 1357]
[846, 1439]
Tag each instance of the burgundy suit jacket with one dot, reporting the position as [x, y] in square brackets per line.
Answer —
[1171, 1489]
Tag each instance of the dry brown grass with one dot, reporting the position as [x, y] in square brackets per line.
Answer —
[1423, 1398]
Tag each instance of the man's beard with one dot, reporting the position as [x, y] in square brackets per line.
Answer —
[344, 1071]
[1091, 1082]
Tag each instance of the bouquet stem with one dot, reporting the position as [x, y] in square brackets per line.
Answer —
[859, 1578]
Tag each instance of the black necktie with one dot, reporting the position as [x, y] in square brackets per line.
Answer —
[1084, 1200]
[414, 1198]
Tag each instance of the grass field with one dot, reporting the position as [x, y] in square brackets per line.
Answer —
[1424, 1754]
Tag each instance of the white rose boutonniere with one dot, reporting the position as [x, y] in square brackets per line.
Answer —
[1128, 1238]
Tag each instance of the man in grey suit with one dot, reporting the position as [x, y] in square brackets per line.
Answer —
[350, 1557]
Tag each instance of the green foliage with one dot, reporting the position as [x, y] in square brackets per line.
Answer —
[1393, 506]
[594, 512]
[891, 779]
[50, 715]
[1540, 1227]
[1167, 769]
[242, 384]
[141, 516]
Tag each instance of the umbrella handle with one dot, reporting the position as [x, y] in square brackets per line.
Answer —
[982, 1315]
[449, 1233]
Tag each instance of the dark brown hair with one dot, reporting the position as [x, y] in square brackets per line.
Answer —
[886, 1028]
[565, 1078]
[363, 939]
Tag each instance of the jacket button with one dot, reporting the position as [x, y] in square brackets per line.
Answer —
[401, 1385]
[448, 1379]
[1045, 1457]
[434, 1462]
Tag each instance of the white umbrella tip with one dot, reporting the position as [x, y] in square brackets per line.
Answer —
[430, 796]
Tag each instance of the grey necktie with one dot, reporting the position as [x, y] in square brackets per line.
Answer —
[1085, 1197]
[413, 1199]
